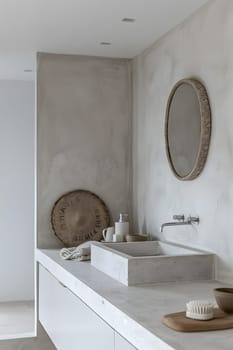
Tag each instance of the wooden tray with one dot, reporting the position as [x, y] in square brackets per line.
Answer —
[79, 216]
[180, 323]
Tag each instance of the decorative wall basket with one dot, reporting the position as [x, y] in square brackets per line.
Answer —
[79, 216]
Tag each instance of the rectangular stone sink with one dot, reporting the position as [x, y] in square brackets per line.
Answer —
[151, 262]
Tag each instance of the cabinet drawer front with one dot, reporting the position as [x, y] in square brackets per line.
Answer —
[70, 324]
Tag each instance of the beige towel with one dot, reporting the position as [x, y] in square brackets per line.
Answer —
[81, 253]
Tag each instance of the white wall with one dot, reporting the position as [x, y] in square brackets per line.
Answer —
[16, 190]
[84, 137]
[201, 47]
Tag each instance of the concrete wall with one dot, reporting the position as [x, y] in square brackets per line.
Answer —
[17, 123]
[201, 47]
[84, 114]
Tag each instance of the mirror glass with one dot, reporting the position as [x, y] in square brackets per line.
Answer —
[184, 129]
[188, 127]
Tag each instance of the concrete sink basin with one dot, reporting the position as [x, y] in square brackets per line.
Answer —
[151, 262]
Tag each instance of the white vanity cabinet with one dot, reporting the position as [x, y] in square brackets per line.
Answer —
[69, 322]
[122, 344]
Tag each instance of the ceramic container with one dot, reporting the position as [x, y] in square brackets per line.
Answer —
[224, 298]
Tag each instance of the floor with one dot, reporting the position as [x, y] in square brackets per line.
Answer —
[16, 319]
[17, 322]
[41, 342]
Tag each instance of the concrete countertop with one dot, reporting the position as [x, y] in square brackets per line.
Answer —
[136, 312]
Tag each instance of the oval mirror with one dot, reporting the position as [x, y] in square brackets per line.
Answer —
[188, 128]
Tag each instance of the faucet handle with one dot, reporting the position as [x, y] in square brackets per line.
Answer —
[178, 217]
[193, 219]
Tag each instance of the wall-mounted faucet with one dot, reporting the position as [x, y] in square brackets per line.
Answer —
[180, 221]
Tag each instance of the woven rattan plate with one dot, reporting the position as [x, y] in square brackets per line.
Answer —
[79, 216]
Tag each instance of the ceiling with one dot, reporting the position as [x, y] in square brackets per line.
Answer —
[79, 26]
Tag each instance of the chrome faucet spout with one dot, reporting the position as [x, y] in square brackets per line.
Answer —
[174, 223]
[180, 221]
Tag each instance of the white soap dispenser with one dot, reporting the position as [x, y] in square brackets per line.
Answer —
[122, 227]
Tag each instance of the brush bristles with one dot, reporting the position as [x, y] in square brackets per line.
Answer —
[199, 309]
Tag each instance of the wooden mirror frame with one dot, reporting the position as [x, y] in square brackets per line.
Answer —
[205, 113]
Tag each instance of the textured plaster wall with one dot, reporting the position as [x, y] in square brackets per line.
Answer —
[201, 47]
[84, 115]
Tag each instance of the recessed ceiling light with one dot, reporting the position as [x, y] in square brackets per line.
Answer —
[128, 19]
[105, 43]
[27, 70]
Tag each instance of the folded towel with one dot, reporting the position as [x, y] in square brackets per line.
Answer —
[81, 253]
